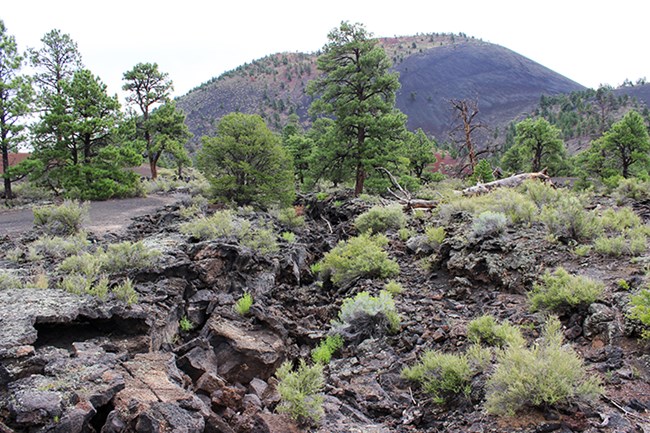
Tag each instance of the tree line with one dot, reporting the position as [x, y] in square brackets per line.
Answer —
[83, 143]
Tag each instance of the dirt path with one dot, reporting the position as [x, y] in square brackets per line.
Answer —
[104, 216]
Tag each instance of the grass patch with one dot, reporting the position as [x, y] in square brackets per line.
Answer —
[301, 391]
[560, 291]
[244, 304]
[444, 376]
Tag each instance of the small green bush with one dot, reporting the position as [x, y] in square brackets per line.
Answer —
[9, 281]
[379, 219]
[540, 193]
[126, 292]
[221, 224]
[404, 234]
[244, 304]
[547, 374]
[62, 220]
[59, 247]
[290, 218]
[185, 324]
[640, 310]
[568, 219]
[486, 330]
[126, 256]
[488, 223]
[560, 290]
[358, 257]
[393, 287]
[620, 219]
[632, 188]
[261, 239]
[435, 235]
[322, 354]
[87, 264]
[300, 391]
[289, 237]
[442, 375]
[364, 305]
[77, 284]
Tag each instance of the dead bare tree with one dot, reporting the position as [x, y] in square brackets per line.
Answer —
[465, 114]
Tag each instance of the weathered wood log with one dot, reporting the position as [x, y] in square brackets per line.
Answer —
[508, 182]
[404, 197]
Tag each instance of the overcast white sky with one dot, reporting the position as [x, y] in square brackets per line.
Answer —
[591, 42]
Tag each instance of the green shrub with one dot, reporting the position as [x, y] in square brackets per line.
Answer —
[640, 310]
[404, 234]
[442, 375]
[126, 292]
[582, 250]
[290, 218]
[289, 237]
[393, 287]
[435, 235]
[486, 330]
[9, 281]
[62, 220]
[559, 291]
[544, 375]
[261, 239]
[568, 219]
[185, 324]
[364, 305]
[540, 193]
[77, 284]
[244, 304]
[126, 256]
[488, 223]
[379, 219]
[100, 288]
[358, 257]
[87, 264]
[620, 219]
[633, 189]
[300, 391]
[322, 354]
[59, 247]
[221, 224]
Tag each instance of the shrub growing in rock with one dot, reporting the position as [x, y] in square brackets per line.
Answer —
[568, 219]
[244, 304]
[62, 220]
[370, 312]
[59, 247]
[435, 235]
[381, 218]
[542, 376]
[323, 352]
[300, 391]
[9, 281]
[486, 330]
[444, 376]
[560, 291]
[289, 217]
[488, 223]
[640, 310]
[358, 257]
[125, 256]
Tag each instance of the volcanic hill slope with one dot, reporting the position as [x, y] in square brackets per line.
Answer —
[433, 69]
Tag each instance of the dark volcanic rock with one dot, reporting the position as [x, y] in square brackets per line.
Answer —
[244, 352]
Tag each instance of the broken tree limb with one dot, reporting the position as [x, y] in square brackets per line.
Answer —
[404, 197]
[508, 182]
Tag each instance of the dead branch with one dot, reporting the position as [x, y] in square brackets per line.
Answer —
[508, 182]
[405, 198]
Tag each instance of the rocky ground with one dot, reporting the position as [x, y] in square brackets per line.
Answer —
[72, 363]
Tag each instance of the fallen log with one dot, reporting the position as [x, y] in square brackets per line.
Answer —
[404, 197]
[508, 182]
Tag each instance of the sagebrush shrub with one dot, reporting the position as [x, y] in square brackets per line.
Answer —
[9, 281]
[290, 218]
[640, 310]
[442, 375]
[486, 330]
[61, 220]
[435, 235]
[568, 219]
[125, 291]
[632, 188]
[125, 256]
[301, 391]
[358, 257]
[364, 305]
[488, 223]
[323, 352]
[560, 291]
[542, 376]
[379, 219]
[57, 247]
